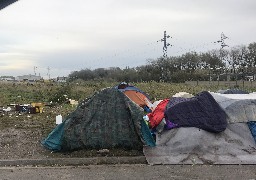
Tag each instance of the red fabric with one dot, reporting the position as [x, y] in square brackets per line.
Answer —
[158, 114]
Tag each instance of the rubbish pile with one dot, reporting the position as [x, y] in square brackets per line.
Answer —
[31, 108]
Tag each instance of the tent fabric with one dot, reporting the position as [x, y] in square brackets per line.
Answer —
[53, 142]
[127, 87]
[191, 145]
[135, 94]
[136, 97]
[106, 120]
[201, 111]
[238, 107]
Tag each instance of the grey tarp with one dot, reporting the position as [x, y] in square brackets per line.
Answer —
[232, 91]
[235, 145]
[238, 107]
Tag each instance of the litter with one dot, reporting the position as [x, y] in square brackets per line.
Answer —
[59, 119]
[73, 102]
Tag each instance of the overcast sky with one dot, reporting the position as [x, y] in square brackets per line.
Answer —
[72, 35]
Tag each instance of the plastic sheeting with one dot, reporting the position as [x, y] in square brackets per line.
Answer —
[235, 145]
[191, 145]
[238, 107]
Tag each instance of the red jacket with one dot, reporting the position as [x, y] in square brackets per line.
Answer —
[158, 114]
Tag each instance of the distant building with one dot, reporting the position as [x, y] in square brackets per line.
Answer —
[7, 78]
[29, 77]
[62, 79]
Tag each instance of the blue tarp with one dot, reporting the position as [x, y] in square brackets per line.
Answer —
[252, 127]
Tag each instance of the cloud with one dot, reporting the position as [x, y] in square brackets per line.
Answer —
[70, 35]
[15, 63]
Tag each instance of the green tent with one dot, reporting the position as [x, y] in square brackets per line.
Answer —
[108, 119]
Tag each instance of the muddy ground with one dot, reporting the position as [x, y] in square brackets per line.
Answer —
[21, 135]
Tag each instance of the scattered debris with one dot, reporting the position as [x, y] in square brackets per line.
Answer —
[73, 102]
[8, 109]
[59, 119]
[103, 152]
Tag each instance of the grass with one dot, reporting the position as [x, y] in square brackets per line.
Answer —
[42, 124]
[21, 93]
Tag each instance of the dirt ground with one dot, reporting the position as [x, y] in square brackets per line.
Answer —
[21, 135]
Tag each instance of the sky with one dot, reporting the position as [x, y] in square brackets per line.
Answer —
[54, 38]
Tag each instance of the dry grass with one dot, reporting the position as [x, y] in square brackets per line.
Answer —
[21, 133]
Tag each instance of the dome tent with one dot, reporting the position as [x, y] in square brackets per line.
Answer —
[108, 119]
[136, 95]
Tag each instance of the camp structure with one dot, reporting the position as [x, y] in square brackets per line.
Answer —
[136, 95]
[210, 128]
[108, 119]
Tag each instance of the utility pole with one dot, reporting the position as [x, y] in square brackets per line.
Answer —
[165, 44]
[223, 44]
[35, 70]
[222, 38]
[48, 72]
[164, 39]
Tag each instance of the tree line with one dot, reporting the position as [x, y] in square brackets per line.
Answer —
[236, 63]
